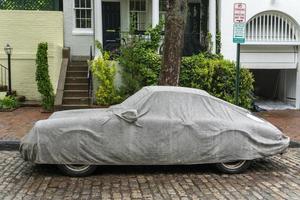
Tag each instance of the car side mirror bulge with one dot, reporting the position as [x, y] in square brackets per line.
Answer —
[130, 115]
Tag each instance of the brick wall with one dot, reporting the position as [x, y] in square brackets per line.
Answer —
[23, 30]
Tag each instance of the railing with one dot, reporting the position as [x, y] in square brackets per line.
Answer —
[3, 77]
[90, 78]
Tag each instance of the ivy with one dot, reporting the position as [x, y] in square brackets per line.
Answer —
[42, 77]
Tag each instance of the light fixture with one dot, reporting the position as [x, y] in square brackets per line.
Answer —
[8, 49]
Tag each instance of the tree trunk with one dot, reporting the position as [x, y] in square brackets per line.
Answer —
[174, 40]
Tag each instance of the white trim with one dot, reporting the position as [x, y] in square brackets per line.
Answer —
[272, 43]
[272, 26]
[98, 23]
[82, 31]
[274, 65]
[85, 31]
[155, 13]
[212, 23]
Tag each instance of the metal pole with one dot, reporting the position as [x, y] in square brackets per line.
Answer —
[9, 74]
[237, 80]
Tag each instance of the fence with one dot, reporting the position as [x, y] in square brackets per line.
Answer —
[30, 4]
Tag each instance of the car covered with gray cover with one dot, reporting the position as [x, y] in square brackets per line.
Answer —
[158, 125]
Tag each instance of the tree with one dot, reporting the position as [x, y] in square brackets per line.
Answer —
[174, 40]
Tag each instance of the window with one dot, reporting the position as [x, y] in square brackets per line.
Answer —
[162, 9]
[138, 15]
[83, 14]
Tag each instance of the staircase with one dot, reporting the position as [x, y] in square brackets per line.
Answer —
[76, 86]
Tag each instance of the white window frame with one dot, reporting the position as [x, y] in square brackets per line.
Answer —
[83, 31]
[162, 12]
[137, 11]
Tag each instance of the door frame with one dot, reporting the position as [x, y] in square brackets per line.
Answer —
[111, 3]
[98, 25]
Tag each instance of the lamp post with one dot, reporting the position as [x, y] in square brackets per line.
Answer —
[8, 50]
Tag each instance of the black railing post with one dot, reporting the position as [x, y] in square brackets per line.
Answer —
[90, 78]
[9, 74]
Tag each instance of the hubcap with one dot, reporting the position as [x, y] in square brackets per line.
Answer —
[234, 165]
[77, 168]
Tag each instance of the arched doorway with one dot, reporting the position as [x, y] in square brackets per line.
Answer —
[271, 52]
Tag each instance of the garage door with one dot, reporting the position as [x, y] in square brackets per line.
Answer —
[269, 56]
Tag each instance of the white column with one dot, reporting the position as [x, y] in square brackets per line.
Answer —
[155, 12]
[212, 24]
[298, 82]
[98, 23]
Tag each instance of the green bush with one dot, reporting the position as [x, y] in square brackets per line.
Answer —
[141, 67]
[105, 71]
[216, 76]
[140, 62]
[42, 77]
[8, 102]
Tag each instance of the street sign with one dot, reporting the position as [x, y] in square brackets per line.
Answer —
[239, 13]
[239, 20]
[239, 35]
[239, 32]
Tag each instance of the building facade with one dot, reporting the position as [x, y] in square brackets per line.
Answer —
[271, 50]
[109, 21]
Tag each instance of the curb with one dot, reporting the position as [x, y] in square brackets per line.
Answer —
[294, 144]
[6, 145]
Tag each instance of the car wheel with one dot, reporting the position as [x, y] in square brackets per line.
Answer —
[234, 167]
[77, 170]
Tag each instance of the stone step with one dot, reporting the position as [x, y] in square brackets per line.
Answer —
[76, 86]
[74, 106]
[77, 80]
[75, 100]
[78, 68]
[78, 63]
[77, 73]
[76, 93]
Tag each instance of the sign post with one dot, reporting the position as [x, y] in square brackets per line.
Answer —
[239, 35]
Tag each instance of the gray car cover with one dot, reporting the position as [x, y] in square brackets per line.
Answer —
[155, 126]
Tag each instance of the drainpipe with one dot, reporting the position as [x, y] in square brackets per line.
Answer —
[298, 82]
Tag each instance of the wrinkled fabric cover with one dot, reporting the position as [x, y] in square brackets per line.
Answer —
[175, 126]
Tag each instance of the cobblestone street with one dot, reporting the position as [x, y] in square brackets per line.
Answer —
[272, 178]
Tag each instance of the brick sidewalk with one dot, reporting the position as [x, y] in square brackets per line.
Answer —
[287, 120]
[272, 178]
[14, 125]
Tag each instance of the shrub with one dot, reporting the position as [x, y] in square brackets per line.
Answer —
[140, 62]
[42, 77]
[104, 70]
[8, 102]
[141, 67]
[217, 76]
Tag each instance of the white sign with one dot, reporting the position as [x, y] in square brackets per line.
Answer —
[239, 14]
[239, 20]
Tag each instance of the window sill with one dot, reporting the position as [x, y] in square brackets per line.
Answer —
[79, 32]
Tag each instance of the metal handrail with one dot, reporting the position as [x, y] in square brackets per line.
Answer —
[90, 78]
[3, 73]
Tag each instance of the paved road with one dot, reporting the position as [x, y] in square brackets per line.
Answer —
[272, 178]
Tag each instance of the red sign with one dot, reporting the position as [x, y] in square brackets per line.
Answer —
[239, 14]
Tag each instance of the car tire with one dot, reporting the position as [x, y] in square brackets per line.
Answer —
[77, 170]
[234, 167]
